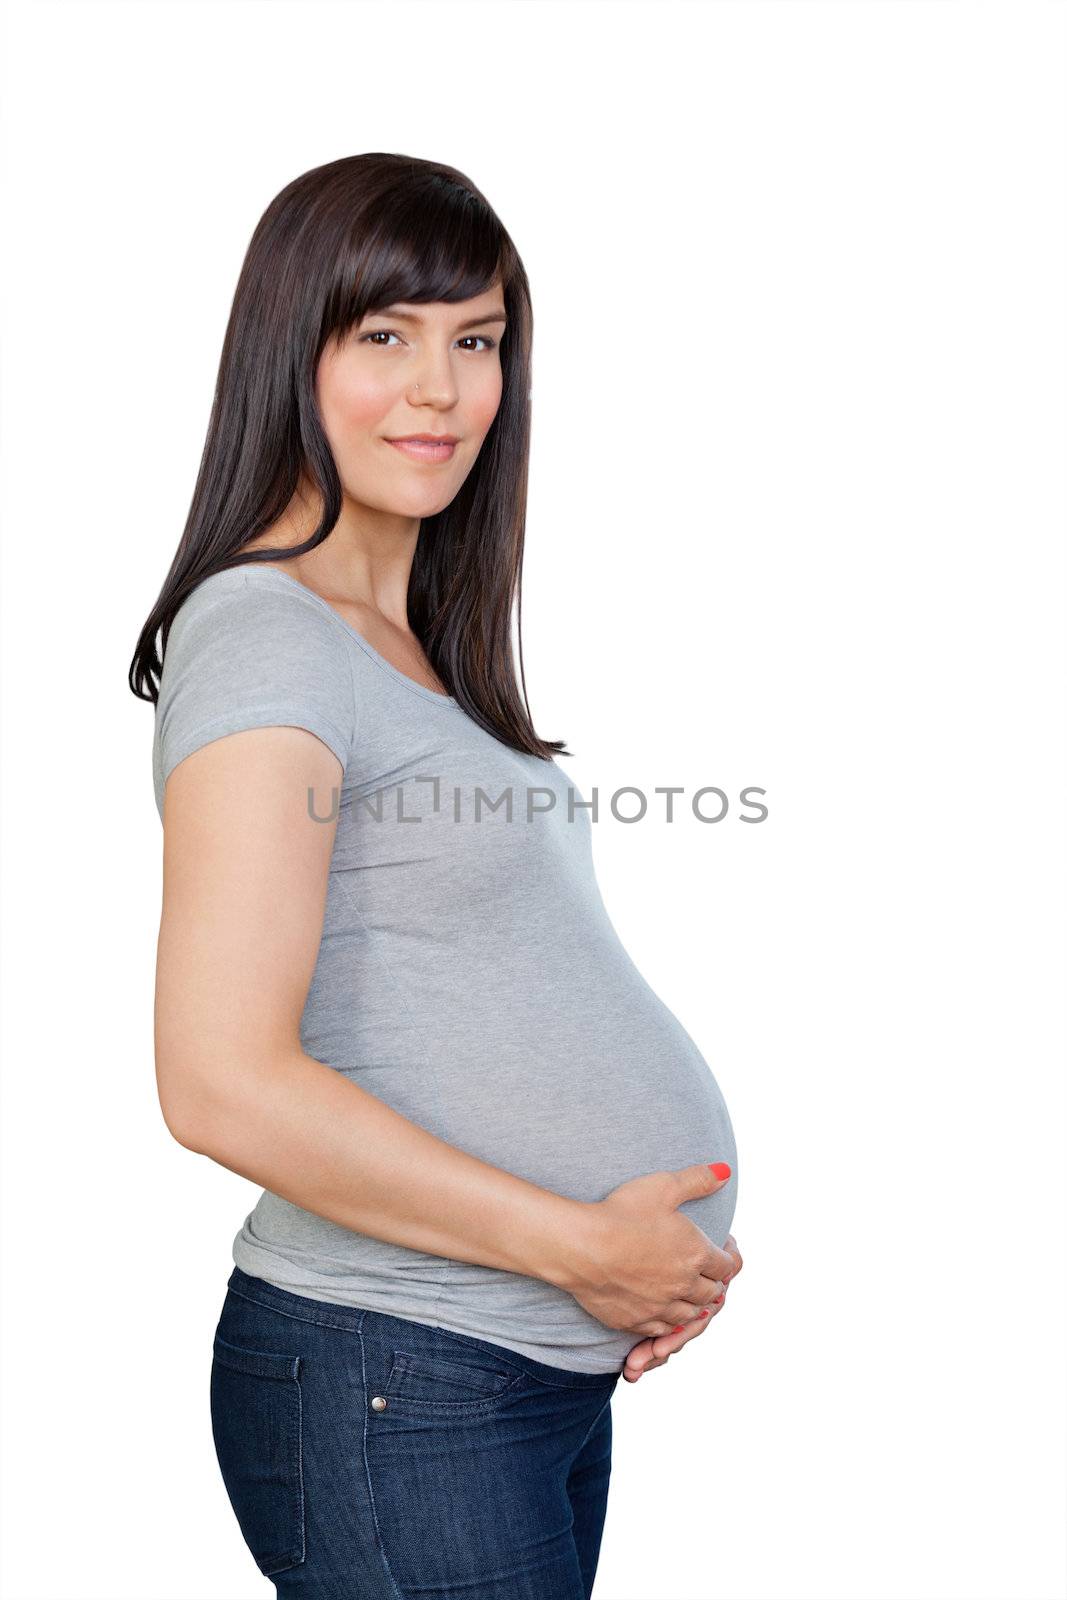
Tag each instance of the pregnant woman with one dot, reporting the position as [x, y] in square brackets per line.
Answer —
[497, 1174]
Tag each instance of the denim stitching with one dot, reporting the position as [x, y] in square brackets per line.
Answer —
[455, 1408]
[302, 1557]
[325, 1321]
[410, 1361]
[592, 1425]
[300, 1459]
[583, 1387]
[379, 1541]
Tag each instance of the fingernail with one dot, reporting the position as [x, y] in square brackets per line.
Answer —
[719, 1300]
[705, 1312]
[720, 1168]
[679, 1329]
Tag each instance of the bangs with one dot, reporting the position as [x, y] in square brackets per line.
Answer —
[429, 241]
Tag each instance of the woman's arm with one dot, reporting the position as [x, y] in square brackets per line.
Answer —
[245, 875]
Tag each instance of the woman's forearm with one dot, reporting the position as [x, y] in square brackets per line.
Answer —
[305, 1132]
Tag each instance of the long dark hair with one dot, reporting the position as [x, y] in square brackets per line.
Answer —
[336, 243]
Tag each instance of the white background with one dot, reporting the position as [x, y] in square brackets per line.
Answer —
[796, 521]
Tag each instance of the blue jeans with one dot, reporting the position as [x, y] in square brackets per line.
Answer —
[368, 1457]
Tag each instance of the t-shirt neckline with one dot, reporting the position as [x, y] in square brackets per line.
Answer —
[375, 655]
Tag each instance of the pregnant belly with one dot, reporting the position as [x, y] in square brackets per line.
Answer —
[580, 1104]
[594, 1128]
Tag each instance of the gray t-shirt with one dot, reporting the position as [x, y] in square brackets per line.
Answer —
[468, 973]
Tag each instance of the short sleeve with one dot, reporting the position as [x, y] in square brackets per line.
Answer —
[250, 657]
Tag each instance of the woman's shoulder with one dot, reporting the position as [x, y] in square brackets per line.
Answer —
[245, 652]
[254, 598]
[251, 622]
[252, 581]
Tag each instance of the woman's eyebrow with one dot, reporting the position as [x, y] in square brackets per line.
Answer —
[411, 316]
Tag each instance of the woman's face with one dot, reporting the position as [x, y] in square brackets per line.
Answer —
[412, 369]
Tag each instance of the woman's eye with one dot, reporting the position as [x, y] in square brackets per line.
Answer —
[387, 333]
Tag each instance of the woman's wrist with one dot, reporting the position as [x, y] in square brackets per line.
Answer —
[561, 1242]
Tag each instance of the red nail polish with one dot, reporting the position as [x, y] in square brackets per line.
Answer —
[679, 1329]
[720, 1168]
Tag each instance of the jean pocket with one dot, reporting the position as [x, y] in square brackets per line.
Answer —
[256, 1420]
[452, 1382]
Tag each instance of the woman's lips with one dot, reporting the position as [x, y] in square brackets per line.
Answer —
[421, 450]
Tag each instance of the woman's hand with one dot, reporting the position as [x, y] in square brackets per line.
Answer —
[655, 1352]
[635, 1261]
